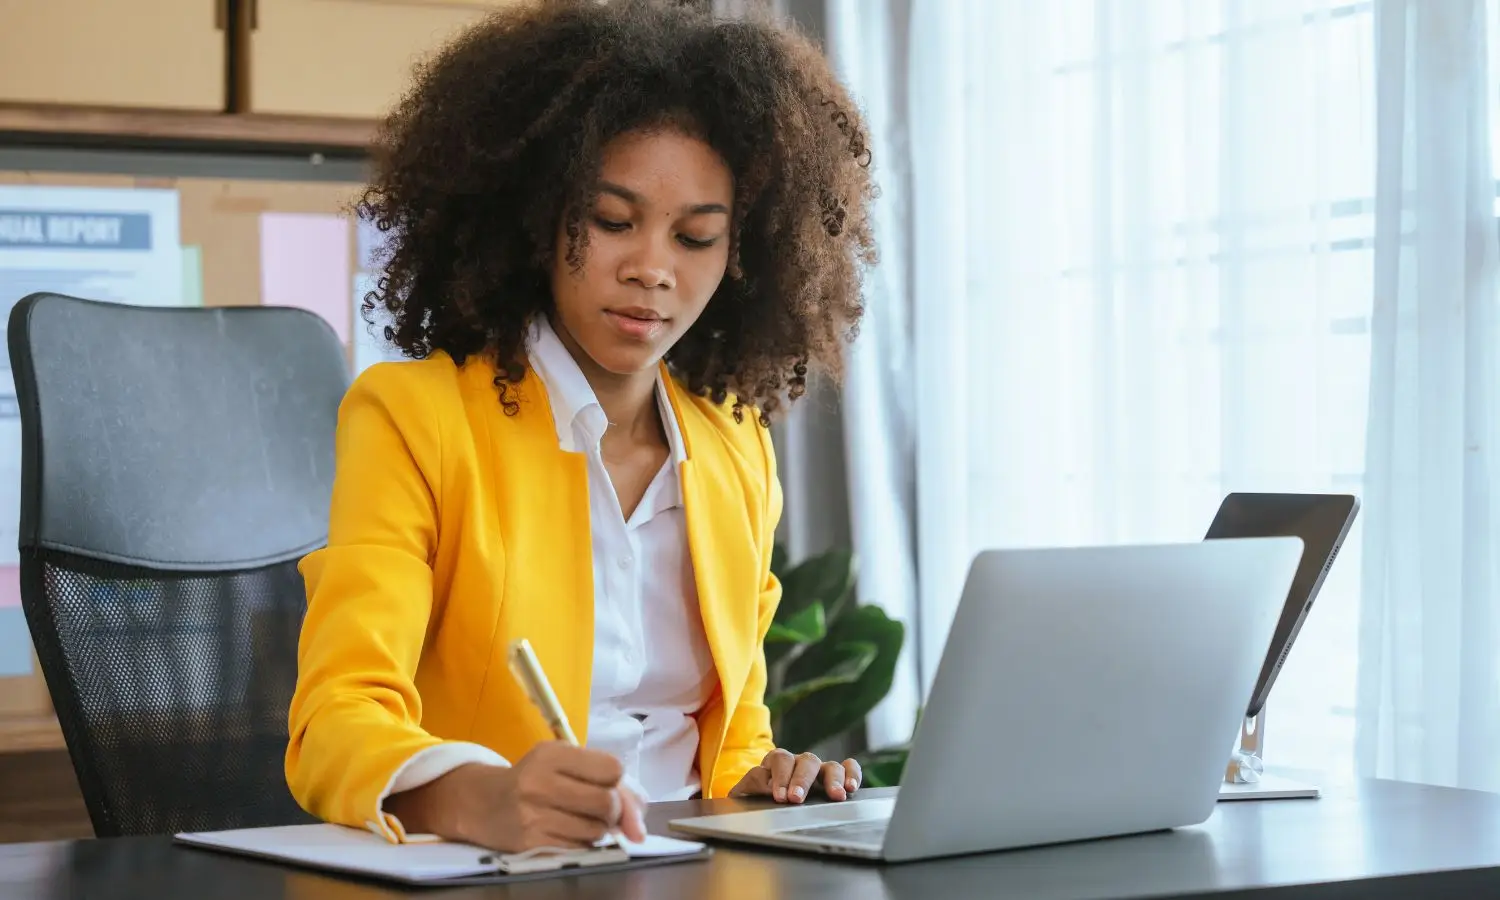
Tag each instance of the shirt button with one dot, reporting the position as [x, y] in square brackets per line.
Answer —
[624, 562]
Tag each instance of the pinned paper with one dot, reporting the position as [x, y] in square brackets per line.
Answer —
[304, 262]
[15, 643]
[192, 275]
[15, 640]
[119, 245]
[10, 586]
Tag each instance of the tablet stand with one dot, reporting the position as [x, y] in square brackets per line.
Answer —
[1246, 765]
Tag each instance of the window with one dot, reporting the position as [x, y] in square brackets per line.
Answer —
[1166, 228]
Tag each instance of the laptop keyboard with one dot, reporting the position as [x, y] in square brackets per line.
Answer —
[867, 832]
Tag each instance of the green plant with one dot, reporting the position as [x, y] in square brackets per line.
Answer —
[829, 660]
[883, 767]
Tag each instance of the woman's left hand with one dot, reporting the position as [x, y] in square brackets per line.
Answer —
[789, 779]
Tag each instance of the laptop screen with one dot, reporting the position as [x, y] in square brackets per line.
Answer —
[1321, 521]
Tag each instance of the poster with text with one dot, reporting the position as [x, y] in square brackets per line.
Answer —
[119, 245]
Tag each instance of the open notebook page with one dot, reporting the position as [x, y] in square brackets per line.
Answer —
[337, 848]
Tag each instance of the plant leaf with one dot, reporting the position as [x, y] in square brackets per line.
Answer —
[827, 578]
[839, 707]
[883, 768]
[806, 627]
[854, 658]
[778, 561]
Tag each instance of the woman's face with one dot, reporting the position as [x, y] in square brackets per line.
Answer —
[658, 248]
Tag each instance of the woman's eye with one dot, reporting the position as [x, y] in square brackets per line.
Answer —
[696, 243]
[610, 224]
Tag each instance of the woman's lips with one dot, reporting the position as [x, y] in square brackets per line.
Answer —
[634, 323]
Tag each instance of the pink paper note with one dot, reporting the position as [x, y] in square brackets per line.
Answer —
[304, 262]
[10, 586]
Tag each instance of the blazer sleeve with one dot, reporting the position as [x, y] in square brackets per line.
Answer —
[748, 737]
[355, 713]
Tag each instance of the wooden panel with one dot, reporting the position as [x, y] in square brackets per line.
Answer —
[167, 54]
[345, 57]
[24, 734]
[213, 130]
[24, 695]
[39, 799]
[223, 217]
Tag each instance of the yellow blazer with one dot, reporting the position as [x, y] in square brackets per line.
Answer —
[455, 529]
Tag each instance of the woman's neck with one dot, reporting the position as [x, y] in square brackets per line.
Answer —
[629, 404]
[628, 401]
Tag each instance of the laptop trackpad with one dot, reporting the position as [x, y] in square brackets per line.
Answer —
[825, 814]
[787, 820]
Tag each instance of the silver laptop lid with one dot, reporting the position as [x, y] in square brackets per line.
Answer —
[1088, 692]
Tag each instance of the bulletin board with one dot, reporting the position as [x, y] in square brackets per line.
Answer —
[240, 242]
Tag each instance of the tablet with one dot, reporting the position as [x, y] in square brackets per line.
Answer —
[1322, 521]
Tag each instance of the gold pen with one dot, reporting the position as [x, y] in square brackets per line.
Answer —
[528, 671]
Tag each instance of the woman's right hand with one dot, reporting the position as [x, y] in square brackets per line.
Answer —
[558, 795]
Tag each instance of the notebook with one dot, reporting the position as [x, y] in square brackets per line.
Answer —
[432, 862]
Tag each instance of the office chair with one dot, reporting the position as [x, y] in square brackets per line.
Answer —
[175, 465]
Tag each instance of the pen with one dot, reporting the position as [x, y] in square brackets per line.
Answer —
[528, 671]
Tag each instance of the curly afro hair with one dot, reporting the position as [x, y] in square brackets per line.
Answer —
[496, 149]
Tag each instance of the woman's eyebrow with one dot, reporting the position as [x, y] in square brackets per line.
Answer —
[629, 196]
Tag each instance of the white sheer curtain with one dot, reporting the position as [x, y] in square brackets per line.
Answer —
[868, 46]
[1146, 246]
[1429, 700]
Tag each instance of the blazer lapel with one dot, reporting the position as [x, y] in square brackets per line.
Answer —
[724, 563]
[549, 577]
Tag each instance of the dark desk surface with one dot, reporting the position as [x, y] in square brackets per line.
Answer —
[1370, 839]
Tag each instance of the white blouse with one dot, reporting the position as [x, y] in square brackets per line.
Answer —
[652, 666]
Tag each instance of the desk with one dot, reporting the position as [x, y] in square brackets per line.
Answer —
[1371, 839]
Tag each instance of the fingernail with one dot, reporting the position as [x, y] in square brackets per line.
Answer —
[796, 793]
[780, 794]
[849, 785]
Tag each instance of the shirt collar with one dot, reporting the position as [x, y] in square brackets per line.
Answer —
[575, 408]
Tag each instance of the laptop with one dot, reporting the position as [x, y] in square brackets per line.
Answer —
[1083, 693]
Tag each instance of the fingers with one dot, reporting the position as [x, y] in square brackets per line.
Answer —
[560, 829]
[579, 798]
[782, 764]
[854, 776]
[789, 778]
[831, 778]
[755, 783]
[632, 815]
[803, 776]
[592, 766]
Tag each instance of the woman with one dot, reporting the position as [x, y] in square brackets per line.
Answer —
[619, 235]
